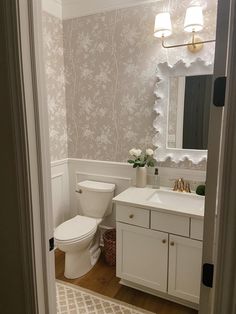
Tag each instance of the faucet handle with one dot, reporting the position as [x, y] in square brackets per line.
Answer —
[175, 188]
[179, 185]
[187, 187]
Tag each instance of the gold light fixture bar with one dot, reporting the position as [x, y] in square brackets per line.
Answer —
[194, 45]
[193, 23]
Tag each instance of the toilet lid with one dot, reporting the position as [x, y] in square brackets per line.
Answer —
[96, 186]
[75, 228]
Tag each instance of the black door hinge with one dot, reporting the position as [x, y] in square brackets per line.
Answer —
[51, 244]
[219, 91]
[207, 275]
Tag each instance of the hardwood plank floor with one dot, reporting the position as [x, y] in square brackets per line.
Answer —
[102, 279]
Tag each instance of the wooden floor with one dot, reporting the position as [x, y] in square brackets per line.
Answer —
[102, 279]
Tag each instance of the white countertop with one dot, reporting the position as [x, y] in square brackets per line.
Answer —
[140, 197]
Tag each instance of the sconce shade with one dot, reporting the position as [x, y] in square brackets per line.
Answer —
[193, 19]
[163, 26]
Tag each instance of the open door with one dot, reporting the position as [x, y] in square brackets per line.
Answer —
[36, 121]
[211, 219]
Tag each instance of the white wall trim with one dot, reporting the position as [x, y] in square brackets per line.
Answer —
[101, 167]
[198, 175]
[59, 162]
[79, 173]
[53, 7]
[57, 175]
[75, 8]
[66, 173]
[67, 9]
[99, 161]
[60, 191]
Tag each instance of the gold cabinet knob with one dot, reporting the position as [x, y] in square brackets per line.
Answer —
[164, 241]
[131, 216]
[172, 243]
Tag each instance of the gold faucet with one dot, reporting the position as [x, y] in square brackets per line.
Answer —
[181, 186]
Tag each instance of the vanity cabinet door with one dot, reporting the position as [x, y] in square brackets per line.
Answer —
[142, 256]
[185, 260]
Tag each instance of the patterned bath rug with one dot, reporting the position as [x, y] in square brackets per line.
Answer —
[72, 299]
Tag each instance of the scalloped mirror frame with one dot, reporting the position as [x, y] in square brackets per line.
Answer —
[175, 157]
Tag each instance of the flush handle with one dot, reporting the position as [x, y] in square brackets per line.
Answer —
[79, 191]
[131, 216]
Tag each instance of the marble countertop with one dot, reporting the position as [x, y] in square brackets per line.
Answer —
[143, 197]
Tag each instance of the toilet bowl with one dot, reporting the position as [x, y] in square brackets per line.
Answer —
[76, 238]
[79, 237]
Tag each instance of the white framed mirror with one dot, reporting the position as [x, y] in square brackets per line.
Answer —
[183, 98]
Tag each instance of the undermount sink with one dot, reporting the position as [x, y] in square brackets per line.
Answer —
[177, 200]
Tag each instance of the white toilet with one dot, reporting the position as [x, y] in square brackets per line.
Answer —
[78, 237]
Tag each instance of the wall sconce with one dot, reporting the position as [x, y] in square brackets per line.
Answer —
[193, 23]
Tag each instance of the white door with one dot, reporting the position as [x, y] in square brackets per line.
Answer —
[185, 257]
[213, 182]
[142, 256]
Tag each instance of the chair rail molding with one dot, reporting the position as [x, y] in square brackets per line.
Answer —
[172, 157]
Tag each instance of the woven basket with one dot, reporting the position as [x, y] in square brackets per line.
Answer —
[109, 238]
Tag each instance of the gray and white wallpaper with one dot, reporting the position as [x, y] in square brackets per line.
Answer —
[55, 85]
[110, 64]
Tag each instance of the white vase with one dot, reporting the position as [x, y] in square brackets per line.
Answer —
[141, 177]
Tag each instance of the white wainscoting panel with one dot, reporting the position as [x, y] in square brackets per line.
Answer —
[60, 192]
[169, 175]
[121, 174]
[68, 172]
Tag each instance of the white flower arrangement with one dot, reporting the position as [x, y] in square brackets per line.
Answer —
[142, 159]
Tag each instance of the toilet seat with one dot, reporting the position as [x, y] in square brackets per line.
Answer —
[76, 229]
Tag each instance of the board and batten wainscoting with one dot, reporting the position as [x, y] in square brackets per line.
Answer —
[60, 192]
[66, 173]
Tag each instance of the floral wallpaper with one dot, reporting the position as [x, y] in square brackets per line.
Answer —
[110, 62]
[55, 85]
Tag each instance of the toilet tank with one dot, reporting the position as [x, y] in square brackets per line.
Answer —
[95, 198]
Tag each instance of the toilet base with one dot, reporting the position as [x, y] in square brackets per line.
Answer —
[79, 263]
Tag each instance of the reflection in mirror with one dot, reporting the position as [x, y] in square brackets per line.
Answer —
[188, 112]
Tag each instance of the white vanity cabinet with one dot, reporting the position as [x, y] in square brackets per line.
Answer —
[185, 258]
[142, 256]
[155, 251]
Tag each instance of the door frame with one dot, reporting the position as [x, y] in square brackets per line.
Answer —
[225, 275]
[34, 108]
[211, 218]
[30, 126]
[220, 245]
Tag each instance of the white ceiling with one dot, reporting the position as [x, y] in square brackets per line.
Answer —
[66, 9]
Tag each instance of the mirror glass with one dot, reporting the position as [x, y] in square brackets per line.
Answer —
[189, 111]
